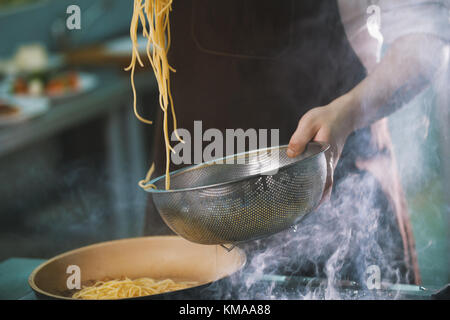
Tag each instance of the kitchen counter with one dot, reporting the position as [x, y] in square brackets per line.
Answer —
[14, 274]
[111, 92]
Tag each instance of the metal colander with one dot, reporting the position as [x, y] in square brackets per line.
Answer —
[243, 197]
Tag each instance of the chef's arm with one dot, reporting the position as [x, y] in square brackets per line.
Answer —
[409, 65]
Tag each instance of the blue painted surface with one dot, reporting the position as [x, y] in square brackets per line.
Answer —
[416, 139]
[14, 275]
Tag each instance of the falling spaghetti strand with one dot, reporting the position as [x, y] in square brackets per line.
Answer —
[153, 17]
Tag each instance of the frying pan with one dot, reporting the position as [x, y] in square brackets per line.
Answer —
[159, 257]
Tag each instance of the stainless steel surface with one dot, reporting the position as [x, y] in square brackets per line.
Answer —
[260, 193]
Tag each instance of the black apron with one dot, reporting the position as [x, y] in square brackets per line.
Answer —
[263, 64]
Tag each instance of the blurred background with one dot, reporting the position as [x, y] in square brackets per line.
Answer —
[71, 151]
[71, 158]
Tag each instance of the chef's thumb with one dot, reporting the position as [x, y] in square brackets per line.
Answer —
[302, 136]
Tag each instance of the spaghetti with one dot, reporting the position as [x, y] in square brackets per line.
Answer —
[153, 17]
[127, 288]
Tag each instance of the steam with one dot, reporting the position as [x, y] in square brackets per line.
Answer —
[345, 237]
[336, 244]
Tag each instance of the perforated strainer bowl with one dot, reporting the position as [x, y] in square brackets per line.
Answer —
[242, 197]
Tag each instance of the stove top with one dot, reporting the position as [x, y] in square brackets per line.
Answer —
[278, 287]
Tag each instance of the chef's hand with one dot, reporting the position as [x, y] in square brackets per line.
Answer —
[331, 124]
[411, 63]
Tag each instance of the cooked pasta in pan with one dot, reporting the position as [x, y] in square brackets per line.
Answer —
[127, 288]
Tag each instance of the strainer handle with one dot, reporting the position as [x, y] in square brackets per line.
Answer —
[229, 247]
[330, 173]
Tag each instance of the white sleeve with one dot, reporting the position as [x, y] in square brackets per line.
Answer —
[397, 18]
[403, 17]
